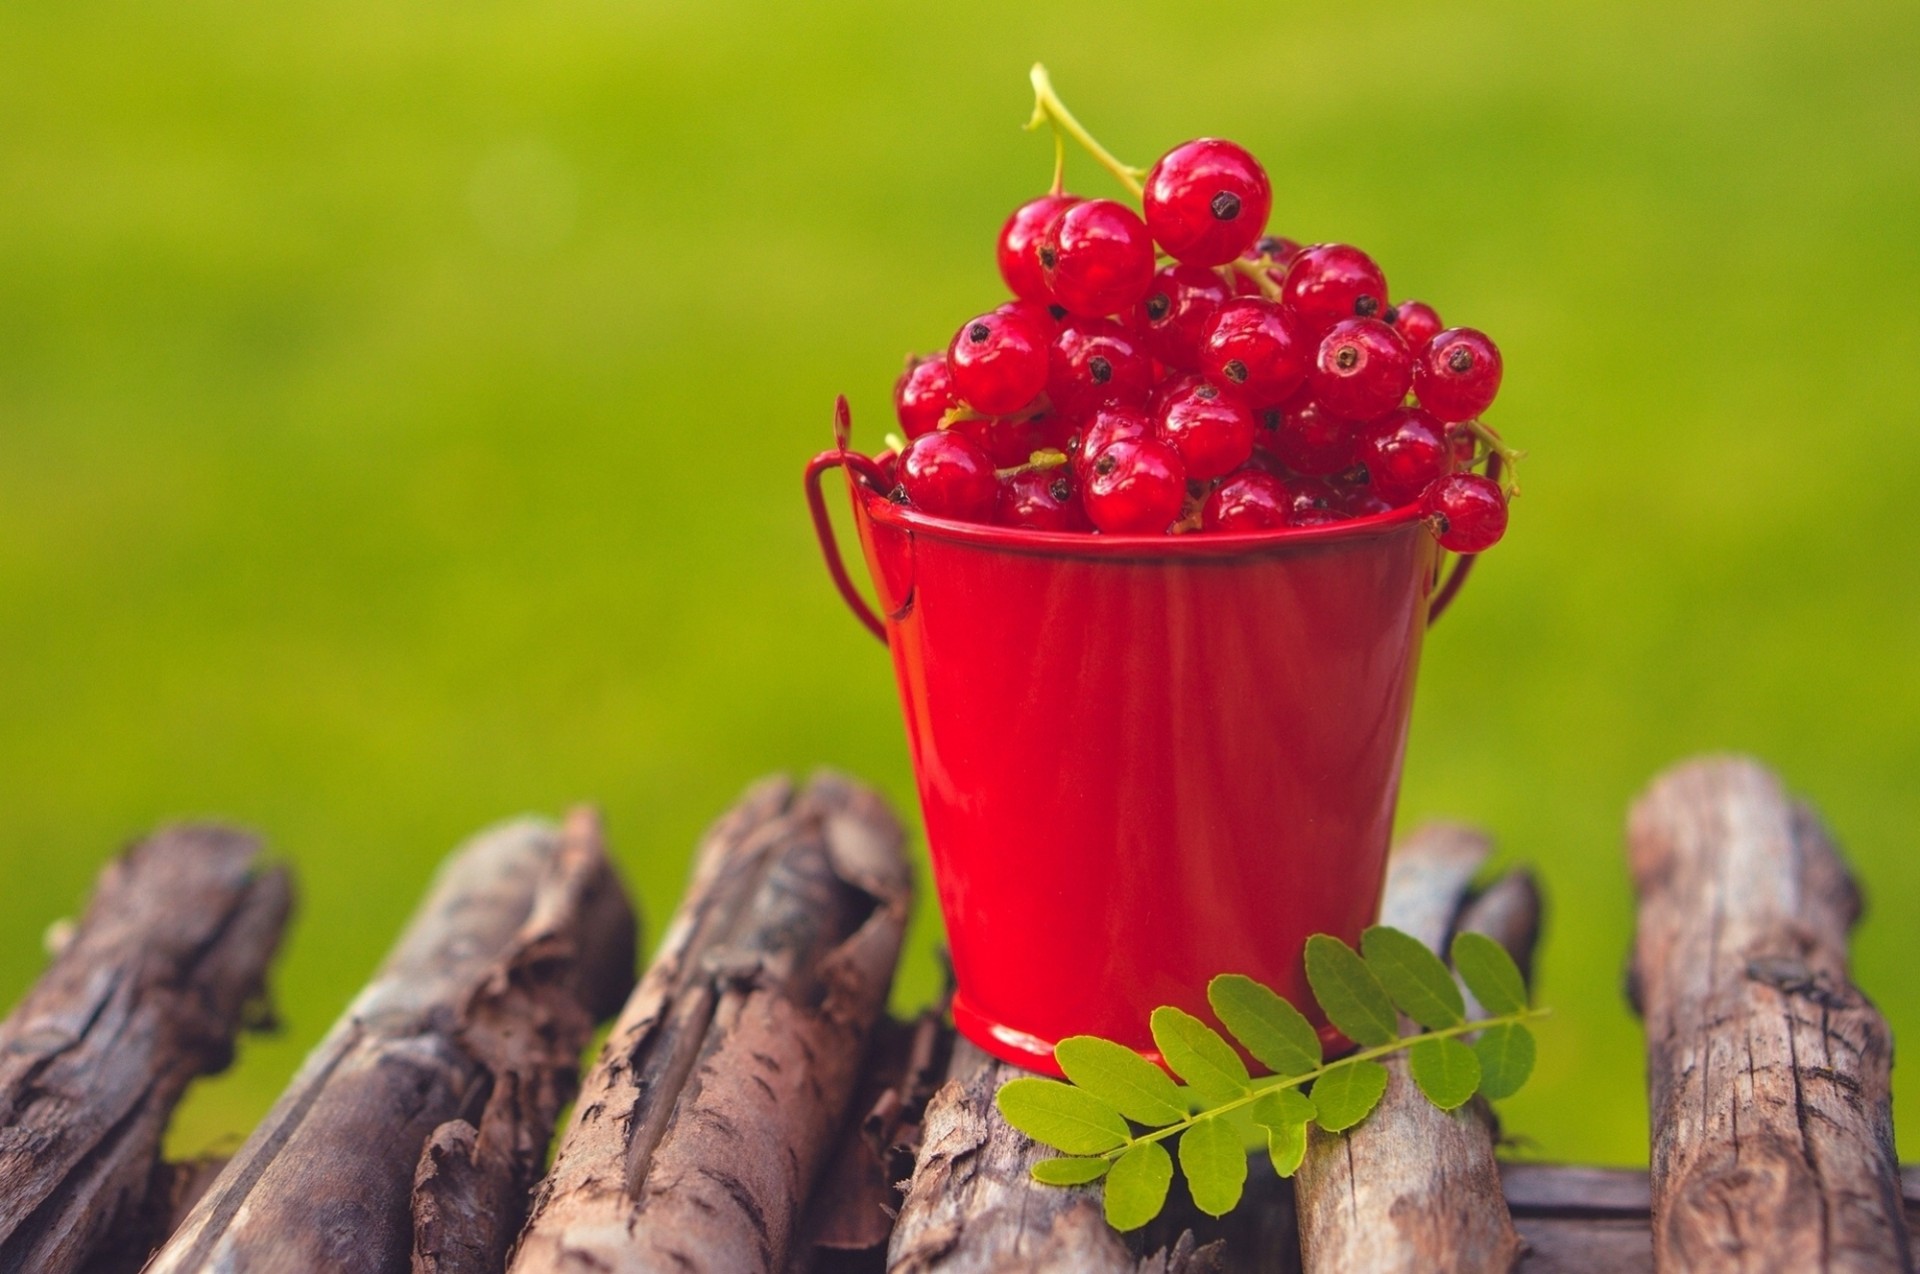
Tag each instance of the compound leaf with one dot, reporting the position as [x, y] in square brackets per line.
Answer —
[1273, 1030]
[1446, 1071]
[1352, 997]
[1069, 1119]
[1122, 1078]
[1215, 1162]
[1198, 1055]
[1490, 973]
[1414, 976]
[1137, 1185]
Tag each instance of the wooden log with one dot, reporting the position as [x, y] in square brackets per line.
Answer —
[1768, 1070]
[147, 993]
[525, 939]
[1415, 1188]
[701, 1129]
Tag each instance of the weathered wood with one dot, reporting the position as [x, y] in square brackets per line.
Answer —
[525, 939]
[1768, 1070]
[1415, 1188]
[701, 1129]
[147, 993]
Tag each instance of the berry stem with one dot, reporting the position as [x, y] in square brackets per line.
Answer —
[894, 442]
[1059, 163]
[1260, 272]
[963, 410]
[1045, 458]
[1510, 457]
[1049, 109]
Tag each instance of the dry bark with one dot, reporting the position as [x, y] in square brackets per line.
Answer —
[525, 939]
[147, 993]
[700, 1132]
[1768, 1070]
[1415, 1188]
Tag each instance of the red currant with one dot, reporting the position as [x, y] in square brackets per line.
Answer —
[1463, 444]
[1255, 350]
[1467, 512]
[1102, 429]
[1311, 502]
[1176, 309]
[1273, 253]
[1206, 201]
[999, 362]
[1041, 499]
[1312, 440]
[1331, 281]
[923, 394]
[1135, 487]
[949, 477]
[1212, 432]
[1402, 453]
[1007, 442]
[1044, 318]
[1362, 371]
[1416, 321]
[1247, 501]
[1019, 242]
[1094, 362]
[1362, 502]
[1457, 374]
[1097, 257]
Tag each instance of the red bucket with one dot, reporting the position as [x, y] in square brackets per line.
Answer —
[1142, 760]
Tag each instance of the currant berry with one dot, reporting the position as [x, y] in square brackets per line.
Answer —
[1043, 318]
[1402, 453]
[1416, 321]
[1212, 432]
[1042, 500]
[1247, 501]
[1332, 281]
[1311, 440]
[1255, 350]
[1362, 502]
[1467, 512]
[1102, 429]
[999, 362]
[948, 476]
[1018, 253]
[1362, 371]
[1312, 502]
[1278, 250]
[1177, 306]
[1007, 442]
[1097, 258]
[1463, 444]
[1206, 201]
[923, 394]
[1457, 374]
[1135, 487]
[1273, 254]
[1094, 362]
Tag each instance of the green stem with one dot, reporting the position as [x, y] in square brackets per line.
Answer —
[1509, 456]
[1049, 109]
[1261, 272]
[1276, 1083]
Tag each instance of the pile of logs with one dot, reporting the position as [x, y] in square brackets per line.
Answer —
[754, 1109]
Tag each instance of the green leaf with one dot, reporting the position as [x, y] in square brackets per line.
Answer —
[1353, 998]
[1281, 1106]
[1506, 1059]
[1070, 1172]
[1287, 1146]
[1348, 1093]
[1122, 1078]
[1414, 976]
[1272, 1029]
[1215, 1163]
[1062, 1116]
[1446, 1070]
[1490, 973]
[1137, 1185]
[1198, 1055]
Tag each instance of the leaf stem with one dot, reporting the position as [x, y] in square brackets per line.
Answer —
[1275, 1083]
[1049, 109]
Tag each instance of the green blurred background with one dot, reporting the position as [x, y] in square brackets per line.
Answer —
[402, 409]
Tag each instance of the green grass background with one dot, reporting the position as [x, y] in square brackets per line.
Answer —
[402, 408]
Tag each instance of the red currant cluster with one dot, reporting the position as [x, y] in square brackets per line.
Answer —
[1180, 370]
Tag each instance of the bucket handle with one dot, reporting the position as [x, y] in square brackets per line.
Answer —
[823, 530]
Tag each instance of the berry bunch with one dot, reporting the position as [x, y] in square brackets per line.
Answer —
[1178, 369]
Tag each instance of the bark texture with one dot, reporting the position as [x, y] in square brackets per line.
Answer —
[525, 939]
[723, 1088]
[146, 993]
[1767, 1069]
[1415, 1188]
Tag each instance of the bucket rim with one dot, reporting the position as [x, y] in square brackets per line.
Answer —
[1083, 544]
